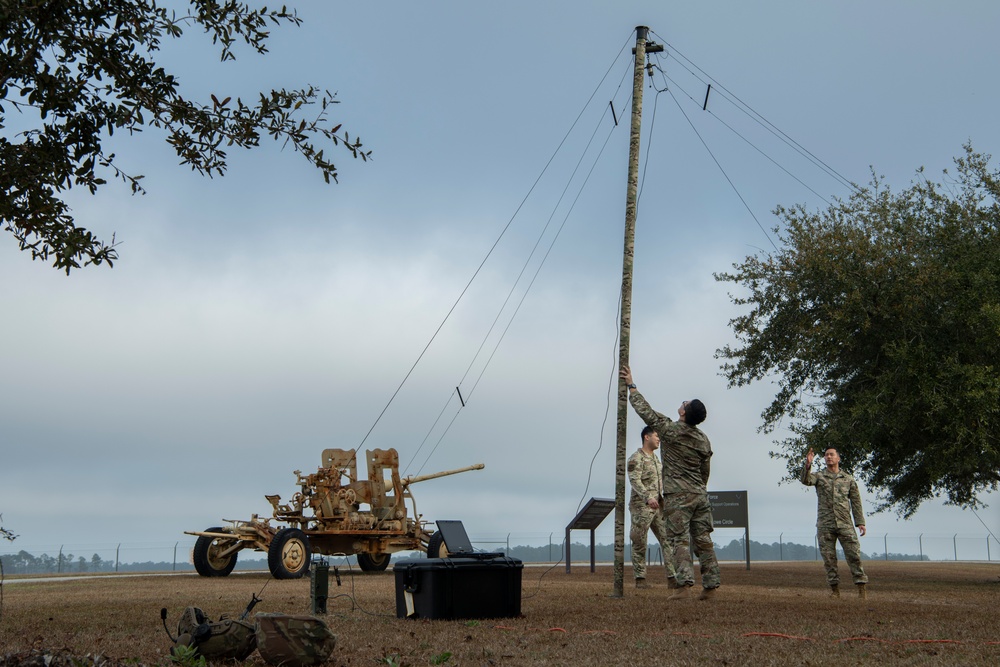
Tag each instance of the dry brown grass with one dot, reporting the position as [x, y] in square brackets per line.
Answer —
[774, 614]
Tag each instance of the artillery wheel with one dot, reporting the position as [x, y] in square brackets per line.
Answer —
[373, 562]
[436, 548]
[288, 555]
[206, 556]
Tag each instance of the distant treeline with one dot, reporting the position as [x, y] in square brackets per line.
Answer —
[26, 563]
[732, 551]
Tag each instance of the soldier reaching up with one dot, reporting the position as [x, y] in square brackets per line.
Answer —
[686, 453]
[838, 502]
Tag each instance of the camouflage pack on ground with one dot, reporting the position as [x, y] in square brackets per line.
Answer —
[219, 640]
[293, 641]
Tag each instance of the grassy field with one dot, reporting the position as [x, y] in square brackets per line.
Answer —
[774, 614]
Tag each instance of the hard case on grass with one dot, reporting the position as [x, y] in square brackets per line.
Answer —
[448, 588]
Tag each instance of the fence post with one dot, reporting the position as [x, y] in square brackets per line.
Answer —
[885, 543]
[550, 547]
[566, 550]
[781, 548]
[175, 557]
[508, 544]
[117, 549]
[59, 562]
[921, 540]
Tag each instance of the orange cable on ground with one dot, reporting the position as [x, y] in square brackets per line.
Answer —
[779, 635]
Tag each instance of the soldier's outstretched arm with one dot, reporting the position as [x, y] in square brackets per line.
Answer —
[650, 416]
[808, 478]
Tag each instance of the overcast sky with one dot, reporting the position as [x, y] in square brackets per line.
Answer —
[257, 319]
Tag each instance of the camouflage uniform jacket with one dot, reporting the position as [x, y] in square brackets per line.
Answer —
[685, 450]
[644, 475]
[839, 499]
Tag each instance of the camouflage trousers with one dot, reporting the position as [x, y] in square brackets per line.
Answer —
[852, 553]
[689, 516]
[645, 519]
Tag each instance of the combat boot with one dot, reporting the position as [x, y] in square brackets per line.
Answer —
[834, 591]
[707, 593]
[641, 583]
[862, 591]
[672, 582]
[680, 593]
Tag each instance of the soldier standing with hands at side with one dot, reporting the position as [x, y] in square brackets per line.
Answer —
[838, 502]
[645, 506]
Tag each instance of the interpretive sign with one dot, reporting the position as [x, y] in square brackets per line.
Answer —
[729, 510]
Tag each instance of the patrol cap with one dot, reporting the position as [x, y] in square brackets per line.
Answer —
[285, 640]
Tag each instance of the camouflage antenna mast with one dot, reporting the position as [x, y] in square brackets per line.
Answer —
[631, 199]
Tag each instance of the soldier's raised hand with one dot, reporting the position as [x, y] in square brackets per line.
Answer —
[810, 455]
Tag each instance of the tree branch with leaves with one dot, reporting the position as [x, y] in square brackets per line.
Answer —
[4, 533]
[78, 71]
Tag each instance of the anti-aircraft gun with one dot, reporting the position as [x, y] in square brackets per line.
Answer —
[326, 517]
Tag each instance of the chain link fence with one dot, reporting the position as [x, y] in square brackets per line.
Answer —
[529, 547]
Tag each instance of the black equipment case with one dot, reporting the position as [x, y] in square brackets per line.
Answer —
[460, 587]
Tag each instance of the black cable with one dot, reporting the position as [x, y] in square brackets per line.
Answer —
[530, 284]
[600, 444]
[758, 118]
[649, 149]
[984, 525]
[731, 184]
[607, 409]
[351, 596]
[554, 209]
[524, 295]
[434, 449]
[545, 257]
[429, 431]
[737, 133]
[490, 252]
[538, 241]
[521, 273]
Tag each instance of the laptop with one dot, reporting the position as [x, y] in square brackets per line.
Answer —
[458, 544]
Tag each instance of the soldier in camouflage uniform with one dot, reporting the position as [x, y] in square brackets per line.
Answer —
[686, 454]
[839, 503]
[645, 506]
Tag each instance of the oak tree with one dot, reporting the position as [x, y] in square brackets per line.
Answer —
[879, 321]
[77, 71]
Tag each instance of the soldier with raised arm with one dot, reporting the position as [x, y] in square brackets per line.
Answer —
[645, 507]
[838, 512]
[686, 454]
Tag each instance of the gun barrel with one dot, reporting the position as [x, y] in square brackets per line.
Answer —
[413, 479]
